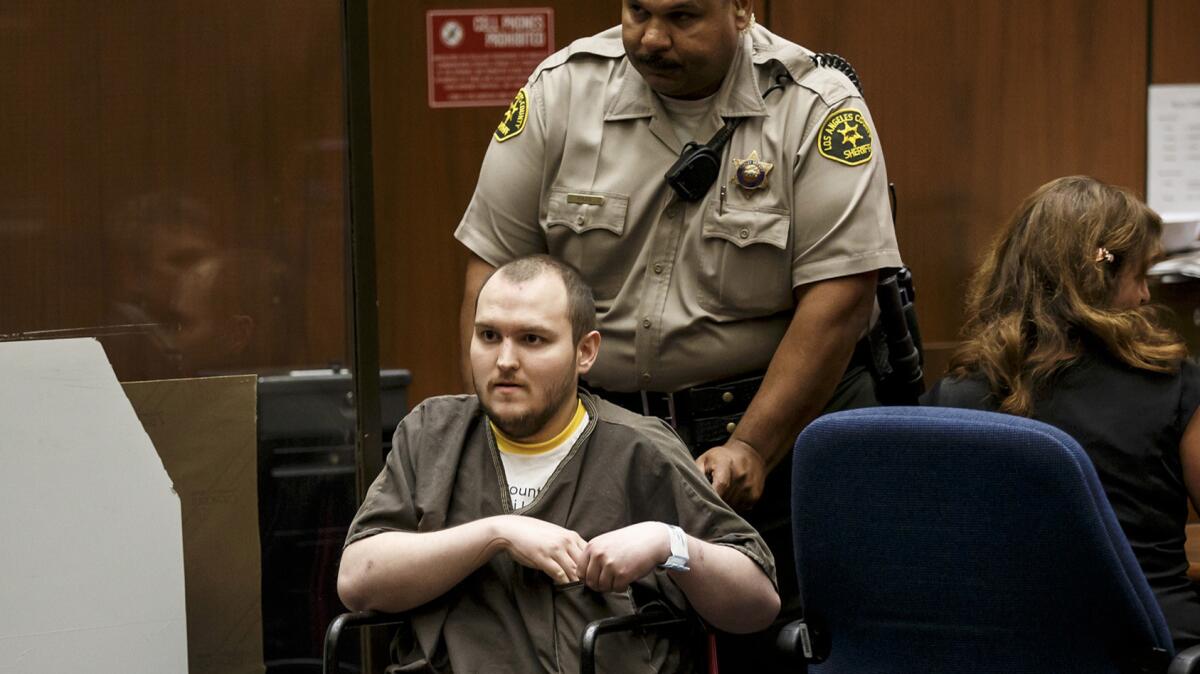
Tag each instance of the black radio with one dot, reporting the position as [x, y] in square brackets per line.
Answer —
[693, 174]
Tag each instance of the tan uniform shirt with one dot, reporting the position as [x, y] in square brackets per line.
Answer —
[686, 292]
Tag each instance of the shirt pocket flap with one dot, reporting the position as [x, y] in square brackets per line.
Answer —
[743, 227]
[581, 210]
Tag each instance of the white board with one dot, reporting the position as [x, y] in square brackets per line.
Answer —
[91, 546]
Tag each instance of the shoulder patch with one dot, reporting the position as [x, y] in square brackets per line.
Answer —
[846, 137]
[514, 119]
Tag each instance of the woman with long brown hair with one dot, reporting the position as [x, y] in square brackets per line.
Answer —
[1058, 329]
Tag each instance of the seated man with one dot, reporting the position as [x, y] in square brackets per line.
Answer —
[508, 520]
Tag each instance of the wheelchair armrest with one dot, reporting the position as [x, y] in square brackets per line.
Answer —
[1186, 661]
[352, 620]
[652, 616]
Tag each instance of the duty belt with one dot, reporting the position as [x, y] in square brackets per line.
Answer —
[704, 416]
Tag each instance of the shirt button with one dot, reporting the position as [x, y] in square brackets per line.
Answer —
[744, 233]
[730, 427]
[727, 396]
[658, 269]
[645, 376]
[579, 220]
[646, 323]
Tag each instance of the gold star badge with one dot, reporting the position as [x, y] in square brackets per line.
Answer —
[750, 173]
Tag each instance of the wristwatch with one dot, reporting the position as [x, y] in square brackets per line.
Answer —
[678, 561]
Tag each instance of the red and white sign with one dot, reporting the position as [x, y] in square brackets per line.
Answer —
[481, 57]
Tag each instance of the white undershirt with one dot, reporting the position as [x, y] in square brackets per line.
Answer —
[527, 467]
[692, 120]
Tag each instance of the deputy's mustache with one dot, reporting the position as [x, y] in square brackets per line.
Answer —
[657, 62]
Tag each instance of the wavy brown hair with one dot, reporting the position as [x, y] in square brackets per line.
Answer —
[1042, 293]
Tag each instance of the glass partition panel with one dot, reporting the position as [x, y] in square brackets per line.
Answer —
[173, 183]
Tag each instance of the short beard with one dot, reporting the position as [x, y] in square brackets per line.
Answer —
[520, 426]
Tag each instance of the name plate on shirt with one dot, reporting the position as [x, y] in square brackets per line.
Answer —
[589, 199]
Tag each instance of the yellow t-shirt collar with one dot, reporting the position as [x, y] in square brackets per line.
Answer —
[510, 446]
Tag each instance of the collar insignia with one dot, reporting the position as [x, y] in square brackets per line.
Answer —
[751, 173]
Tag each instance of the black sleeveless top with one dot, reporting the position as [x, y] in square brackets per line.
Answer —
[1129, 422]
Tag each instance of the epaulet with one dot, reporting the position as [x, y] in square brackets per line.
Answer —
[839, 64]
[769, 47]
[815, 72]
[832, 84]
[604, 45]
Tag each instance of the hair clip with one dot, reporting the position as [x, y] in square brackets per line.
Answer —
[1102, 255]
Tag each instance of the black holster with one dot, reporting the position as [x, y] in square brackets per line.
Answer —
[895, 342]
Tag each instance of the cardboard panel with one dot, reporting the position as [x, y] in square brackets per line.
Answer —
[204, 431]
[92, 554]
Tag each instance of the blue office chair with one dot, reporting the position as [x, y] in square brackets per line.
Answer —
[943, 540]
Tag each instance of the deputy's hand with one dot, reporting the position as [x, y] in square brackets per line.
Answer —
[736, 471]
[541, 545]
[613, 560]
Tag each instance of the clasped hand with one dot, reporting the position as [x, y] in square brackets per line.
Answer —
[607, 563]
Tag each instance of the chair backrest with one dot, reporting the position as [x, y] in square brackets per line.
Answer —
[945, 540]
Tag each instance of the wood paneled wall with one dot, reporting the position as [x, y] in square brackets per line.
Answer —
[979, 103]
[1175, 47]
[426, 164]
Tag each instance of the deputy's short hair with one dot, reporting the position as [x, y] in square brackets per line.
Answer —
[581, 304]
